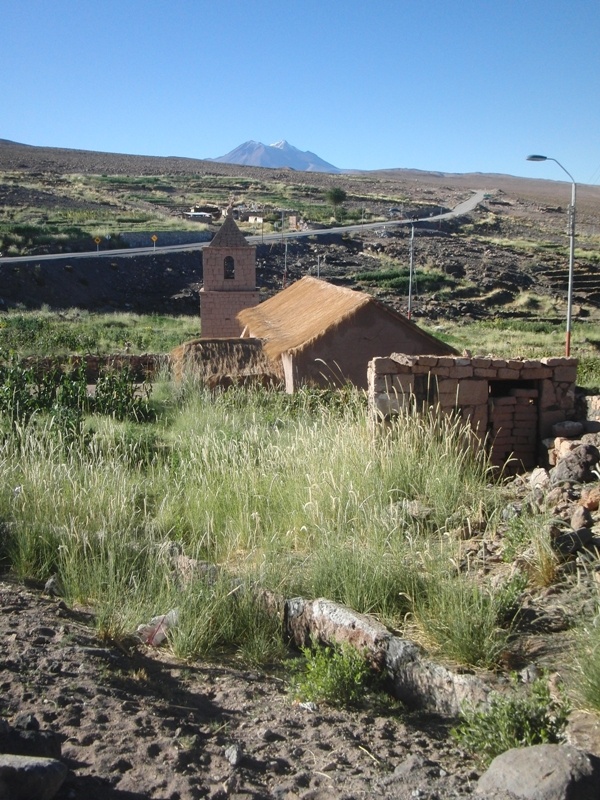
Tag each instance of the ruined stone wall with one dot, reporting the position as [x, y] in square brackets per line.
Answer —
[511, 404]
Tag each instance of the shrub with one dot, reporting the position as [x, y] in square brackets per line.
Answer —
[335, 674]
[512, 720]
[222, 616]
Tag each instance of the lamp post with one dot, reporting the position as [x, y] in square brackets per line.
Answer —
[410, 270]
[571, 247]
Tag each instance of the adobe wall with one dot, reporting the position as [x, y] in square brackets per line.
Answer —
[219, 309]
[342, 353]
[213, 268]
[513, 403]
[238, 360]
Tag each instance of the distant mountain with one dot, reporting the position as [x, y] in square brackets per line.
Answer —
[278, 155]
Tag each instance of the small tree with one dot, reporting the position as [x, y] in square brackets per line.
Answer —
[336, 197]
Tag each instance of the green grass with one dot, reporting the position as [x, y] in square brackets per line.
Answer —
[527, 338]
[398, 279]
[26, 333]
[520, 718]
[338, 675]
[294, 494]
[290, 494]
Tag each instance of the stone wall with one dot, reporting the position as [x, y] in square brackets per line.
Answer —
[511, 404]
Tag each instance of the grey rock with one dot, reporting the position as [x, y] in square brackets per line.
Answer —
[53, 587]
[234, 754]
[414, 679]
[576, 466]
[543, 772]
[572, 541]
[568, 429]
[29, 741]
[25, 777]
[539, 477]
[581, 518]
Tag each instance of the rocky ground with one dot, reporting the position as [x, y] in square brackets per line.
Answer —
[135, 723]
[484, 251]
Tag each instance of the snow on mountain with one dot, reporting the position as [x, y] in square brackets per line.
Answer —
[279, 155]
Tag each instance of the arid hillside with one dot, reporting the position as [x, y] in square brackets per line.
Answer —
[508, 257]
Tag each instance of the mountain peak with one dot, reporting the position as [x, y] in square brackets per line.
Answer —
[276, 156]
[283, 145]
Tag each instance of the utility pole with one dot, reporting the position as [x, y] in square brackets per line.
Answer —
[410, 270]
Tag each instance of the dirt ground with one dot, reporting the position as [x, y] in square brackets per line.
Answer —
[136, 723]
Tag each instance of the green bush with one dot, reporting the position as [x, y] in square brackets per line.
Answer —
[512, 720]
[588, 373]
[117, 395]
[23, 393]
[338, 675]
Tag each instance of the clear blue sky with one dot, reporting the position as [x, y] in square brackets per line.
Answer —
[464, 86]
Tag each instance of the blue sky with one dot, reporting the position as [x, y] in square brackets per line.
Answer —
[466, 86]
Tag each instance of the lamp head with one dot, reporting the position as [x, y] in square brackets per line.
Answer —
[537, 158]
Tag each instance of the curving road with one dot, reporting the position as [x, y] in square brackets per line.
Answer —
[458, 211]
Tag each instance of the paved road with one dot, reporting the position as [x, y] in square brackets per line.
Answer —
[462, 208]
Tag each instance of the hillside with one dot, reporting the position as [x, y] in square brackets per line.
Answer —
[509, 257]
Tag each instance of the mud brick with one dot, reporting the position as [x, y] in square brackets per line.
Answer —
[383, 365]
[446, 361]
[427, 361]
[523, 393]
[506, 374]
[496, 402]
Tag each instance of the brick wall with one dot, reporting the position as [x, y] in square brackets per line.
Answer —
[218, 311]
[213, 271]
[221, 298]
[512, 404]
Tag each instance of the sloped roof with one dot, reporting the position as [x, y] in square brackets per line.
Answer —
[229, 235]
[294, 318]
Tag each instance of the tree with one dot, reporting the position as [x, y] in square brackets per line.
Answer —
[336, 197]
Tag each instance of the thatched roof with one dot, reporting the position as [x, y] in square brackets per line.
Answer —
[229, 235]
[294, 318]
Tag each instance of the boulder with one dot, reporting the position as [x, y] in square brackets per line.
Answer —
[576, 466]
[590, 498]
[28, 777]
[581, 518]
[543, 772]
[568, 429]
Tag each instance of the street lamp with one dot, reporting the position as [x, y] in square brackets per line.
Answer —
[571, 246]
[410, 270]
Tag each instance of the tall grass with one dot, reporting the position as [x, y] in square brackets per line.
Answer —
[295, 495]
